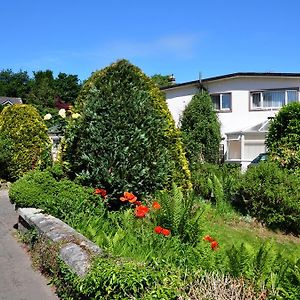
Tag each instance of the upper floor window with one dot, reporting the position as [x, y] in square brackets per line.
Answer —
[273, 98]
[221, 102]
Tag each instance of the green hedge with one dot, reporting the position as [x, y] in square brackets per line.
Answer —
[126, 138]
[272, 195]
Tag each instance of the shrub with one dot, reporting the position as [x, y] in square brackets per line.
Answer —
[63, 199]
[272, 195]
[201, 130]
[30, 145]
[284, 136]
[126, 138]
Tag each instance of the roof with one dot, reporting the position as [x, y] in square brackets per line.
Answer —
[10, 100]
[233, 75]
[258, 128]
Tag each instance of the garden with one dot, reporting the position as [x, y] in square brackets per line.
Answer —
[173, 222]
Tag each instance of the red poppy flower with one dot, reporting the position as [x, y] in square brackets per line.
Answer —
[165, 232]
[138, 203]
[101, 192]
[214, 245]
[141, 211]
[128, 197]
[156, 205]
[158, 229]
[208, 238]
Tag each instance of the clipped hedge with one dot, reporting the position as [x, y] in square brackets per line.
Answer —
[30, 146]
[272, 195]
[126, 138]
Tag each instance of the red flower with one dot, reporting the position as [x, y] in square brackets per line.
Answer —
[138, 203]
[156, 205]
[214, 245]
[101, 192]
[158, 229]
[166, 232]
[128, 197]
[141, 211]
[208, 238]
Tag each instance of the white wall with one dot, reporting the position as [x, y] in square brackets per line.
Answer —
[241, 117]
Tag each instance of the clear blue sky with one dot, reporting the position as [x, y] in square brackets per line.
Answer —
[179, 37]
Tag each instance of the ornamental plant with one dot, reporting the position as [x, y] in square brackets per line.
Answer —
[126, 139]
[29, 144]
[283, 139]
[201, 130]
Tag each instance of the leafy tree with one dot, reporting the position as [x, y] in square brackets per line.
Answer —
[14, 84]
[283, 139]
[42, 91]
[67, 87]
[162, 80]
[126, 139]
[201, 130]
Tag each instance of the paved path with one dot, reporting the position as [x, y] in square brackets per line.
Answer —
[18, 281]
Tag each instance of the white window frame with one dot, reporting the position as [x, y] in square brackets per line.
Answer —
[222, 109]
[261, 93]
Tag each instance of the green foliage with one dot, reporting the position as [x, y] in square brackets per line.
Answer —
[162, 80]
[29, 146]
[272, 195]
[14, 84]
[126, 138]
[40, 189]
[201, 130]
[181, 214]
[284, 136]
[5, 155]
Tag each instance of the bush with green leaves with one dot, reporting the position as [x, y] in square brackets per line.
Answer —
[272, 195]
[283, 139]
[30, 146]
[201, 130]
[126, 138]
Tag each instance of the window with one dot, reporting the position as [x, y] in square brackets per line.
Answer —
[272, 99]
[221, 102]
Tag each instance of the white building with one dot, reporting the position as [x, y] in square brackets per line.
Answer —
[244, 103]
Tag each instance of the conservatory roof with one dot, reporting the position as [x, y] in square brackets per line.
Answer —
[258, 128]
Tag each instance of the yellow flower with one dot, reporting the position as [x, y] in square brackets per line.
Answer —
[75, 116]
[47, 117]
[62, 113]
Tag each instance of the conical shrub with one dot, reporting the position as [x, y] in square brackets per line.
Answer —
[126, 139]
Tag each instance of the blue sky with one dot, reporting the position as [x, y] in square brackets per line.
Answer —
[180, 37]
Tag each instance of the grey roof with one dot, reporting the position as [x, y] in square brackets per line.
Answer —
[262, 127]
[10, 100]
[233, 75]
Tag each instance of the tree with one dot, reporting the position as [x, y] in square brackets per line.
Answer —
[201, 130]
[283, 139]
[14, 84]
[163, 80]
[42, 93]
[67, 87]
[126, 139]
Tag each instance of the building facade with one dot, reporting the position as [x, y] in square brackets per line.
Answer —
[244, 102]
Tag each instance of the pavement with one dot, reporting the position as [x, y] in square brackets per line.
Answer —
[18, 280]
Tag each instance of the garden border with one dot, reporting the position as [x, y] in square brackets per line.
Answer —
[74, 248]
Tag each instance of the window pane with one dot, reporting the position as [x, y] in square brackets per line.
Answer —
[216, 101]
[226, 101]
[292, 96]
[256, 100]
[273, 98]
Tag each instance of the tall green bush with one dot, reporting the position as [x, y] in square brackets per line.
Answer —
[283, 140]
[29, 146]
[201, 130]
[126, 138]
